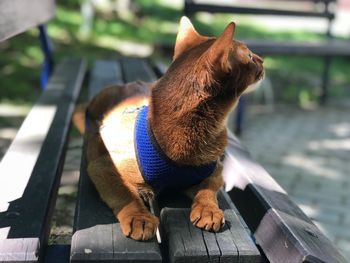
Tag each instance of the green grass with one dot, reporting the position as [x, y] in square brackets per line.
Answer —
[295, 79]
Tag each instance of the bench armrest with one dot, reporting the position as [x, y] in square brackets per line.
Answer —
[279, 226]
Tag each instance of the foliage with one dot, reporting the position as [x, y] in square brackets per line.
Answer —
[153, 22]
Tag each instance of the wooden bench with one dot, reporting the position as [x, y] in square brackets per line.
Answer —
[31, 169]
[97, 231]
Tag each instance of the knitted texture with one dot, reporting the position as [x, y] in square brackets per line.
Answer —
[159, 170]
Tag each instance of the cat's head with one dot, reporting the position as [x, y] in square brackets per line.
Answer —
[191, 101]
[208, 74]
[222, 60]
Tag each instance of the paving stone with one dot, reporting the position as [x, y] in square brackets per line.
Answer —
[344, 245]
[307, 153]
[346, 217]
[328, 199]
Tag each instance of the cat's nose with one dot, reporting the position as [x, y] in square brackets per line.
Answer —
[258, 59]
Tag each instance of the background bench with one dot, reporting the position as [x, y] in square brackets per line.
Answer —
[307, 9]
[31, 169]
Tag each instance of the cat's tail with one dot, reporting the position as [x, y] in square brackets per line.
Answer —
[79, 117]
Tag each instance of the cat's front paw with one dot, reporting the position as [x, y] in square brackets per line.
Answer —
[207, 216]
[141, 226]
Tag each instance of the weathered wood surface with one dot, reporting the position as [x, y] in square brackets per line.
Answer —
[319, 48]
[186, 243]
[192, 7]
[334, 48]
[137, 69]
[97, 236]
[30, 171]
[17, 16]
[282, 230]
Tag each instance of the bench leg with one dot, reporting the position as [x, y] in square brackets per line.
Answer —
[327, 62]
[239, 116]
[325, 80]
[46, 46]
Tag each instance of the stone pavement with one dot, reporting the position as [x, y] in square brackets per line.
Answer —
[308, 154]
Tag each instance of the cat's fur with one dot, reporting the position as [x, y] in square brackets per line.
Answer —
[188, 110]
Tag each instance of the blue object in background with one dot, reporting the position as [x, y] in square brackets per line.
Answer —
[46, 46]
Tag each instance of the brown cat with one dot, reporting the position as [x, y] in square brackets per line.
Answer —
[188, 108]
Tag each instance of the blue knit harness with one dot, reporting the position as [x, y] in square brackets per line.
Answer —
[159, 170]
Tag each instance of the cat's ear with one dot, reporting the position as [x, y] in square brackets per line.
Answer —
[187, 37]
[219, 52]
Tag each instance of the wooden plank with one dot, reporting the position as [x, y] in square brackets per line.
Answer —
[104, 73]
[191, 7]
[32, 166]
[17, 16]
[137, 69]
[177, 226]
[282, 230]
[233, 244]
[129, 250]
[334, 48]
[19, 250]
[188, 243]
[97, 235]
[318, 48]
[239, 230]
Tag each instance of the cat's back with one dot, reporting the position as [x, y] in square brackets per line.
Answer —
[117, 127]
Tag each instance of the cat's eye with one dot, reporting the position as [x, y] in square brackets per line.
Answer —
[250, 56]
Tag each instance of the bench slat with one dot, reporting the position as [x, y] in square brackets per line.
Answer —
[234, 244]
[239, 230]
[137, 69]
[17, 16]
[334, 48]
[105, 73]
[282, 230]
[195, 6]
[185, 242]
[321, 48]
[188, 243]
[97, 235]
[31, 169]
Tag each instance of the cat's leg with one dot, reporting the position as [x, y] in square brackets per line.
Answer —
[124, 199]
[120, 195]
[205, 211]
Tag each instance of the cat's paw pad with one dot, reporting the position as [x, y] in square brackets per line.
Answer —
[141, 226]
[208, 217]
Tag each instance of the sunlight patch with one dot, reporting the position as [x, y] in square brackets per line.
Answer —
[330, 145]
[313, 166]
[341, 129]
